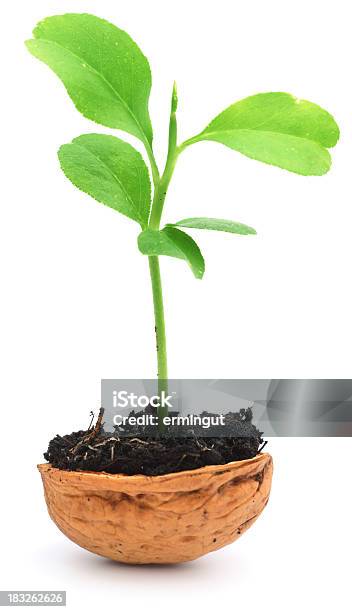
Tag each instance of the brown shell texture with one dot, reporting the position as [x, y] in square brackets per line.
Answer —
[158, 519]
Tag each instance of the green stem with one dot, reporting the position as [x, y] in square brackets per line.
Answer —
[189, 142]
[153, 164]
[160, 190]
[159, 328]
[162, 185]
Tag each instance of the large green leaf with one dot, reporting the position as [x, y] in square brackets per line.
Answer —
[111, 171]
[174, 243]
[278, 129]
[220, 225]
[104, 71]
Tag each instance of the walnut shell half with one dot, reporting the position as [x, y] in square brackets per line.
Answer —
[158, 519]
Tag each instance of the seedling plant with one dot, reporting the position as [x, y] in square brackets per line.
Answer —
[109, 81]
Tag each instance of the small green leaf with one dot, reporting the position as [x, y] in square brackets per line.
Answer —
[105, 73]
[174, 243]
[220, 225]
[111, 171]
[278, 129]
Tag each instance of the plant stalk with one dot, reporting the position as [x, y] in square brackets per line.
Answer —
[160, 334]
[160, 190]
[153, 164]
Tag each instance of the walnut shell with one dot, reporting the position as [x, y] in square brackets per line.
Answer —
[158, 519]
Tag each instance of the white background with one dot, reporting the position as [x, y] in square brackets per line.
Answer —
[77, 305]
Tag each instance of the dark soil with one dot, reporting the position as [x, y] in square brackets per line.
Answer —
[143, 450]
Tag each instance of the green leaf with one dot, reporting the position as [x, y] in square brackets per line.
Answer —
[111, 171]
[278, 129]
[174, 243]
[220, 225]
[104, 71]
